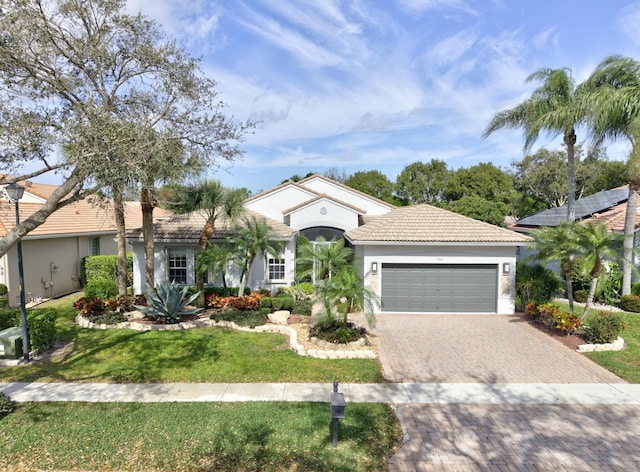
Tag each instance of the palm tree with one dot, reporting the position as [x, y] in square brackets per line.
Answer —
[217, 257]
[254, 237]
[212, 200]
[556, 107]
[559, 243]
[597, 244]
[613, 92]
[321, 259]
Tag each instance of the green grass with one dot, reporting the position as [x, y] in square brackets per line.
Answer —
[194, 355]
[626, 363]
[196, 437]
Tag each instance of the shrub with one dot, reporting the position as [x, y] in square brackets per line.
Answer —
[580, 296]
[535, 284]
[301, 291]
[169, 302]
[101, 288]
[89, 306]
[9, 318]
[336, 331]
[302, 307]
[567, 323]
[604, 327]
[612, 285]
[630, 303]
[110, 318]
[282, 303]
[103, 267]
[123, 303]
[250, 318]
[7, 405]
[635, 288]
[265, 302]
[42, 328]
[3, 290]
[547, 313]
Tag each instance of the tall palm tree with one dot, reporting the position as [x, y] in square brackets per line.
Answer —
[556, 107]
[322, 259]
[254, 237]
[559, 244]
[213, 201]
[613, 94]
[596, 243]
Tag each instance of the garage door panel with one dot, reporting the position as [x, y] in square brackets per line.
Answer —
[432, 288]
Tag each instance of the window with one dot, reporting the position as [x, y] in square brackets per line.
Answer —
[95, 246]
[177, 265]
[276, 268]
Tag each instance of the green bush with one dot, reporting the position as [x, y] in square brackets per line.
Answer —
[635, 288]
[102, 288]
[103, 267]
[9, 318]
[610, 293]
[3, 290]
[7, 405]
[264, 311]
[604, 327]
[300, 291]
[42, 328]
[567, 323]
[336, 331]
[535, 284]
[630, 303]
[221, 291]
[265, 302]
[250, 318]
[302, 307]
[110, 318]
[580, 296]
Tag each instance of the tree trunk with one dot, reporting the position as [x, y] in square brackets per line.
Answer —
[592, 293]
[118, 209]
[147, 206]
[205, 235]
[569, 287]
[629, 232]
[570, 141]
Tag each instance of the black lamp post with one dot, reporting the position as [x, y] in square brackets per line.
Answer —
[15, 192]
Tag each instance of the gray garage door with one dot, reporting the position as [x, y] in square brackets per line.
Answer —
[439, 288]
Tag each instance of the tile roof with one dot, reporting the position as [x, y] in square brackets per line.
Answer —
[429, 224]
[82, 217]
[346, 187]
[187, 228]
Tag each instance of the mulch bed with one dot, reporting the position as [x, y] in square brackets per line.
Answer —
[572, 341]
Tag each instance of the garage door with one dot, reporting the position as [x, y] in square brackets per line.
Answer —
[439, 288]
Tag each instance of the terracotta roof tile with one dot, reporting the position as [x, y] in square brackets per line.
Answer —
[429, 224]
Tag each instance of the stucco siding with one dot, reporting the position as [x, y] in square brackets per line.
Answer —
[324, 213]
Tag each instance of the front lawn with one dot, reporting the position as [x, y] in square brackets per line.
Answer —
[626, 363]
[196, 437]
[194, 355]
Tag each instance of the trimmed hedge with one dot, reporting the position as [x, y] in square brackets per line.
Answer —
[630, 303]
[277, 303]
[41, 323]
[103, 267]
[9, 318]
[605, 327]
[102, 288]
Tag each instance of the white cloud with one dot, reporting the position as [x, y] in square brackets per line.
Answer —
[629, 20]
[420, 6]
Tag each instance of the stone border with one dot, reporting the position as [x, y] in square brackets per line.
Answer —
[268, 328]
[617, 345]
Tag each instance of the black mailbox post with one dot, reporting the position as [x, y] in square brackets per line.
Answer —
[338, 405]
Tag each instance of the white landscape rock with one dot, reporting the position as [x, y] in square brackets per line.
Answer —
[279, 317]
[617, 345]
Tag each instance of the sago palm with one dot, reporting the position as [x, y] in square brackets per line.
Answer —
[555, 107]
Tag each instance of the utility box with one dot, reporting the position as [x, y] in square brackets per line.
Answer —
[338, 405]
[11, 343]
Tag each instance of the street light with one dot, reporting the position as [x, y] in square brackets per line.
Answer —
[15, 192]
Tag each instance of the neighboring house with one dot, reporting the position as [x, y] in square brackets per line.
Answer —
[607, 206]
[54, 251]
[417, 259]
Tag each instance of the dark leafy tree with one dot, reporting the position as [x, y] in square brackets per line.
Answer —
[373, 183]
[478, 208]
[422, 182]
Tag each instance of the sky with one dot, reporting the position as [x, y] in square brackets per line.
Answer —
[379, 84]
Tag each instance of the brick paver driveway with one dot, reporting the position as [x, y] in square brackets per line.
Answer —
[477, 348]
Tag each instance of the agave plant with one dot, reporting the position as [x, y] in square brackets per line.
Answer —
[168, 302]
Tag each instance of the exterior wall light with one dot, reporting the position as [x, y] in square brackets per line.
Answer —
[374, 267]
[506, 268]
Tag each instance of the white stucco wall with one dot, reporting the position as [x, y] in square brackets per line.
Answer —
[324, 212]
[443, 255]
[368, 204]
[257, 276]
[272, 205]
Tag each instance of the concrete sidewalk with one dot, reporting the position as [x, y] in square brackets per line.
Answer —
[403, 393]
